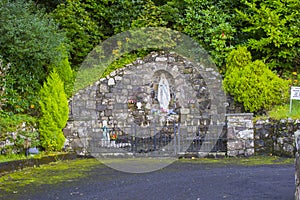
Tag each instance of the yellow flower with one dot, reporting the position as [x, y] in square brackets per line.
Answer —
[115, 52]
[119, 43]
[32, 106]
[296, 81]
[294, 73]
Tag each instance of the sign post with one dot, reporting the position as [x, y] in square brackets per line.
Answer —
[295, 94]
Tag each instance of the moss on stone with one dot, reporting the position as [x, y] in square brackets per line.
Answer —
[250, 161]
[53, 173]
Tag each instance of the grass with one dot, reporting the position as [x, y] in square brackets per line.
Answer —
[246, 161]
[13, 157]
[283, 111]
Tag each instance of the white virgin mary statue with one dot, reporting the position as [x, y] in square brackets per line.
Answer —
[163, 95]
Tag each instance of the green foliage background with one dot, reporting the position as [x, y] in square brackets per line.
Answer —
[30, 41]
[38, 37]
[273, 27]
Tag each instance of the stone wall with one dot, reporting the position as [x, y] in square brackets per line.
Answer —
[261, 137]
[14, 142]
[275, 137]
[240, 134]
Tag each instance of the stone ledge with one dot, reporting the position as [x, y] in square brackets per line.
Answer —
[10, 166]
[238, 114]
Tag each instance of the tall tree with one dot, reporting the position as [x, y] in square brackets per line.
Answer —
[54, 113]
[85, 24]
[121, 13]
[30, 41]
[209, 23]
[273, 32]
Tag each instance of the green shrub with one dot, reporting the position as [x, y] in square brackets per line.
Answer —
[30, 42]
[63, 68]
[253, 84]
[54, 110]
[238, 59]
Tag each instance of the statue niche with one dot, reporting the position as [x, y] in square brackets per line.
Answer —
[164, 104]
[160, 103]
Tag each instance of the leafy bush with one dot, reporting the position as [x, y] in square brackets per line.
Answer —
[238, 59]
[253, 84]
[29, 42]
[3, 72]
[55, 111]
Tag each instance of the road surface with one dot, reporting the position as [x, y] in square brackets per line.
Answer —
[179, 181]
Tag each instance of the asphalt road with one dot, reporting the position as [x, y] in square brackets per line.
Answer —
[178, 181]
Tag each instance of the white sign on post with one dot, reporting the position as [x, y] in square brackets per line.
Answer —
[295, 94]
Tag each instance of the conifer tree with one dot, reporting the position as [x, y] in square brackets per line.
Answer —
[54, 111]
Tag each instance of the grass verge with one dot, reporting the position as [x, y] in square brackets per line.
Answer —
[14, 157]
[53, 173]
[250, 161]
[283, 111]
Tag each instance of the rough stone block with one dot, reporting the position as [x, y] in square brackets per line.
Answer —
[161, 59]
[245, 134]
[118, 78]
[76, 143]
[230, 133]
[241, 152]
[184, 111]
[111, 82]
[249, 144]
[67, 132]
[297, 140]
[232, 153]
[100, 107]
[91, 104]
[249, 152]
[235, 145]
[108, 112]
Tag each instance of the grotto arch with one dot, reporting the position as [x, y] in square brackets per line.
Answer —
[192, 110]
